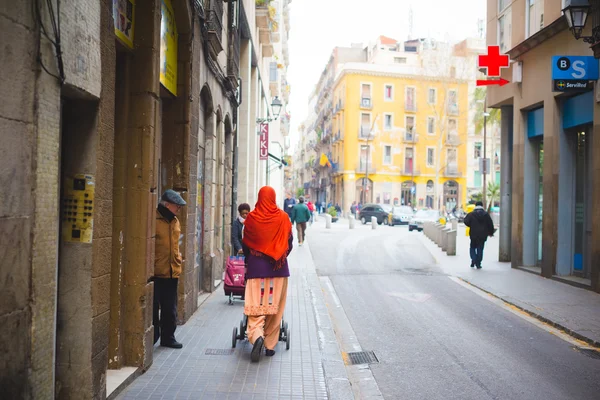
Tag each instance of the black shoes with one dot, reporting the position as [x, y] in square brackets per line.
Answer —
[472, 265]
[478, 266]
[257, 349]
[269, 353]
[174, 344]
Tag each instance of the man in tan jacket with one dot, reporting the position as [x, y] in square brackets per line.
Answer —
[167, 268]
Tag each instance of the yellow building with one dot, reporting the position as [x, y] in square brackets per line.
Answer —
[404, 132]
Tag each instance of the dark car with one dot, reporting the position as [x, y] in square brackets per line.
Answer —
[373, 210]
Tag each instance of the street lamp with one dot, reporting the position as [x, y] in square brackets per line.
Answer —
[276, 107]
[484, 164]
[576, 14]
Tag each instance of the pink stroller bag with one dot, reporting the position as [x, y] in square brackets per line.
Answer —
[235, 278]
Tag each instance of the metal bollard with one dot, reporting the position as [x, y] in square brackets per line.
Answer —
[351, 221]
[451, 250]
[455, 224]
[315, 216]
[444, 245]
[327, 221]
[439, 235]
[373, 222]
[436, 233]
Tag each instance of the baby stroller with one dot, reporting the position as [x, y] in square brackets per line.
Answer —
[284, 333]
[235, 278]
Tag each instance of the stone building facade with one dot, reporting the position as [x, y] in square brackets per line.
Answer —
[91, 136]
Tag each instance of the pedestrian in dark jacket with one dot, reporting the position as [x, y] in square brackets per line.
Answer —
[481, 226]
[237, 228]
[300, 216]
[288, 205]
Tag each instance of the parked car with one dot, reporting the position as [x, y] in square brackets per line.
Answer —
[417, 221]
[374, 210]
[401, 215]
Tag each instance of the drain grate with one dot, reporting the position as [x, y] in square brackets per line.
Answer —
[360, 357]
[219, 352]
[592, 353]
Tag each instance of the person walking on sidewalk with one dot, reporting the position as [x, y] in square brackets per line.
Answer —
[267, 242]
[237, 227]
[288, 205]
[300, 216]
[167, 268]
[481, 226]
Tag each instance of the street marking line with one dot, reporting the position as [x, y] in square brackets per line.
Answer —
[523, 314]
[332, 292]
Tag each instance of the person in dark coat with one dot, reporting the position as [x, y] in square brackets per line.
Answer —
[237, 227]
[481, 227]
[288, 205]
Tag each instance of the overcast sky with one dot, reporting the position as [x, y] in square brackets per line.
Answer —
[317, 26]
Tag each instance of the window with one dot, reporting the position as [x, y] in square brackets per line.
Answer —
[365, 125]
[432, 96]
[451, 158]
[431, 125]
[408, 160]
[410, 103]
[430, 157]
[409, 127]
[452, 102]
[273, 72]
[400, 60]
[504, 30]
[366, 91]
[477, 150]
[477, 179]
[452, 129]
[534, 16]
[364, 156]
[388, 122]
[388, 92]
[387, 155]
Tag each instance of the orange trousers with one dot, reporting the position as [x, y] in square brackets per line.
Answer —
[264, 305]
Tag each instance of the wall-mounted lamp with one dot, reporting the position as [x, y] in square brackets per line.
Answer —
[276, 107]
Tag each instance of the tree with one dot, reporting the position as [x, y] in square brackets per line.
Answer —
[493, 194]
[493, 122]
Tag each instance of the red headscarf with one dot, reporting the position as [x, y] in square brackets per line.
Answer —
[267, 229]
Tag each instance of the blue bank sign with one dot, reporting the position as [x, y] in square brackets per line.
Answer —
[573, 73]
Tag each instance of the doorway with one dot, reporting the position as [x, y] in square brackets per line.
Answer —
[582, 193]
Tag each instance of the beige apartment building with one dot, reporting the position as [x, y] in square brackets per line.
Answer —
[550, 178]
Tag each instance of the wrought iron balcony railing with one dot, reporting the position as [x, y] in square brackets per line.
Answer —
[214, 21]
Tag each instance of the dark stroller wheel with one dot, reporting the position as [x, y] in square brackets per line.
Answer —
[287, 339]
[234, 337]
[231, 298]
[242, 330]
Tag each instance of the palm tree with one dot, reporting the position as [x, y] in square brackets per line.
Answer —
[493, 194]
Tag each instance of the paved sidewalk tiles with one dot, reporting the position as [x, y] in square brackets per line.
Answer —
[299, 373]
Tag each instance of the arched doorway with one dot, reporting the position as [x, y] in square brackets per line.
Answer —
[429, 199]
[206, 134]
[363, 184]
[450, 194]
[408, 192]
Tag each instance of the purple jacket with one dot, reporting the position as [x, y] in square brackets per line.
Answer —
[263, 266]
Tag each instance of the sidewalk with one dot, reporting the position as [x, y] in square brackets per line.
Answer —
[574, 310]
[312, 369]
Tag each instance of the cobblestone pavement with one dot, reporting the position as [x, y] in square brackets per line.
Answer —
[190, 373]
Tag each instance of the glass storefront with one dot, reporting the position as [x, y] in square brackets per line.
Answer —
[540, 199]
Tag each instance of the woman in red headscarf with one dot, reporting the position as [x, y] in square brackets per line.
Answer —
[267, 242]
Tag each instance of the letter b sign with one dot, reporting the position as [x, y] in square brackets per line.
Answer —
[563, 64]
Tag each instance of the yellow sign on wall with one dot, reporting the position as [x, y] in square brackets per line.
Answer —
[168, 48]
[78, 209]
[123, 15]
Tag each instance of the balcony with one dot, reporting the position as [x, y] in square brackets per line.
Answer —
[411, 171]
[268, 50]
[453, 109]
[233, 58]
[410, 107]
[366, 103]
[452, 170]
[364, 168]
[453, 140]
[410, 137]
[214, 22]
[262, 16]
[364, 133]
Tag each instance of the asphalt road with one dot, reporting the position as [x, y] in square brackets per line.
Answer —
[434, 338]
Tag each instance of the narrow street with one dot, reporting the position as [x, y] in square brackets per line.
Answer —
[434, 338]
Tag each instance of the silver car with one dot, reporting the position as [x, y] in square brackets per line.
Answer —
[401, 215]
[417, 221]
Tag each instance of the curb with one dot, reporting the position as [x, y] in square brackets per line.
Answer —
[535, 315]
